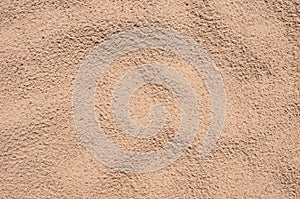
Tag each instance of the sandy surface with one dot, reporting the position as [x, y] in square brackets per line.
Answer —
[255, 45]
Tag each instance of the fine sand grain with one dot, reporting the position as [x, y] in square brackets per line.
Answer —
[254, 44]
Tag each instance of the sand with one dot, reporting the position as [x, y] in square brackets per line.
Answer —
[255, 46]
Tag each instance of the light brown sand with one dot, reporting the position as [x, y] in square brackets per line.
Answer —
[255, 45]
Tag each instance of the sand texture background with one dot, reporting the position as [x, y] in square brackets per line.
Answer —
[255, 45]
